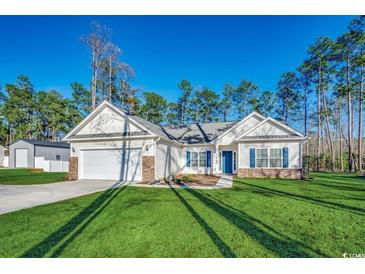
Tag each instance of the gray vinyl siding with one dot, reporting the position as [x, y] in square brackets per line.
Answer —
[21, 144]
[49, 153]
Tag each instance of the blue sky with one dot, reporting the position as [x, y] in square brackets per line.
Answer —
[207, 50]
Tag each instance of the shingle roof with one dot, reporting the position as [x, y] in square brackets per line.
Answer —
[44, 143]
[155, 129]
[195, 133]
[198, 132]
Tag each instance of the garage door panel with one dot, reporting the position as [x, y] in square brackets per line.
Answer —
[21, 157]
[111, 164]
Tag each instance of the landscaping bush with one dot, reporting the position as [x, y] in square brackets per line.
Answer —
[36, 170]
[187, 178]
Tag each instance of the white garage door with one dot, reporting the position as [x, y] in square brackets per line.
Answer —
[111, 164]
[21, 157]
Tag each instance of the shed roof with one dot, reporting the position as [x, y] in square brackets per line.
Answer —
[43, 143]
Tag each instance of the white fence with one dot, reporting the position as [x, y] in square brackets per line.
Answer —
[51, 165]
[5, 162]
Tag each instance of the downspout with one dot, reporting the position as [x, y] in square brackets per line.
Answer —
[216, 160]
[155, 144]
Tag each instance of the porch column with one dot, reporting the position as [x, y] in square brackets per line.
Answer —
[216, 160]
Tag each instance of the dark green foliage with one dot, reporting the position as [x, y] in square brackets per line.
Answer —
[204, 106]
[43, 115]
[227, 101]
[81, 98]
[267, 103]
[183, 111]
[289, 96]
[19, 108]
[244, 98]
[172, 113]
[153, 108]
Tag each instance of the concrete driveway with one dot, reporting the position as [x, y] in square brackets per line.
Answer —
[15, 197]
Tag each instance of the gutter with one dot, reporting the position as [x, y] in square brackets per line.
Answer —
[155, 143]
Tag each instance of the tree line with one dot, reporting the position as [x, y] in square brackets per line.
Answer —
[323, 97]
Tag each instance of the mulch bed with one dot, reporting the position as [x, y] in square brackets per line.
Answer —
[197, 180]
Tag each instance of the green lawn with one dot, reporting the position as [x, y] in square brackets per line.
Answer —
[28, 177]
[321, 217]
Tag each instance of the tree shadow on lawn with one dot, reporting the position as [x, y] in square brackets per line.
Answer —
[71, 228]
[223, 248]
[359, 179]
[335, 185]
[285, 247]
[304, 198]
[254, 220]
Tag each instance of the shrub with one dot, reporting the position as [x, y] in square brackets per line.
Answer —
[187, 178]
[36, 170]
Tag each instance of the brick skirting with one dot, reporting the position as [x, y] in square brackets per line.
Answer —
[73, 173]
[270, 173]
[148, 169]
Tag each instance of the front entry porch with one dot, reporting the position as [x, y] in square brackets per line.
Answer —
[226, 160]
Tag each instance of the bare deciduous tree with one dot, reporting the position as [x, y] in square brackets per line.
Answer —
[97, 41]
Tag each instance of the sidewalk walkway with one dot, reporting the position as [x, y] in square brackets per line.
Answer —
[225, 181]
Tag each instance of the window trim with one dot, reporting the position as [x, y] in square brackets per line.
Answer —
[203, 152]
[204, 157]
[192, 160]
[267, 157]
[281, 157]
[234, 166]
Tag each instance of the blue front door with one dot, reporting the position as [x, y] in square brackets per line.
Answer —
[227, 162]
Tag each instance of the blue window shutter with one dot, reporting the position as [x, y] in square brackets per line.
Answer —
[208, 158]
[188, 158]
[285, 157]
[252, 157]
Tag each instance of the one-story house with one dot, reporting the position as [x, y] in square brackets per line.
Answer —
[22, 152]
[110, 144]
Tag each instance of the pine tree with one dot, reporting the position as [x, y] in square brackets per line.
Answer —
[289, 96]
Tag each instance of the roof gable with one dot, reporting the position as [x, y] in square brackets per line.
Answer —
[240, 127]
[267, 128]
[271, 128]
[107, 121]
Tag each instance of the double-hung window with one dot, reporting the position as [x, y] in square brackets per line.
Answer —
[198, 159]
[275, 157]
[202, 159]
[194, 159]
[261, 157]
